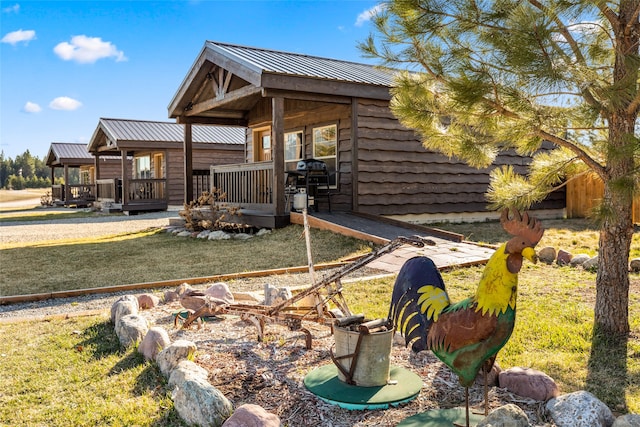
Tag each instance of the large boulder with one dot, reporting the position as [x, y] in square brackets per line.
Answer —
[506, 416]
[220, 291]
[131, 329]
[547, 254]
[199, 403]
[126, 304]
[579, 409]
[529, 382]
[147, 301]
[249, 415]
[187, 370]
[154, 342]
[629, 420]
[173, 354]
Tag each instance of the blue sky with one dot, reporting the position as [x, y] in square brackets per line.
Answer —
[63, 65]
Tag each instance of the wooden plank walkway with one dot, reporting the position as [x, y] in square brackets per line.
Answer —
[449, 250]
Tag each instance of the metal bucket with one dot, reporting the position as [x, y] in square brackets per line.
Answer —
[372, 358]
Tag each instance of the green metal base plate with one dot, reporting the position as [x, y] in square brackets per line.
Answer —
[441, 418]
[324, 383]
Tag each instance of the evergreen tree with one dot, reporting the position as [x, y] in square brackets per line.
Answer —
[511, 74]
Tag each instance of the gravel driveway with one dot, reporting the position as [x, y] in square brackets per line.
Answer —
[75, 228]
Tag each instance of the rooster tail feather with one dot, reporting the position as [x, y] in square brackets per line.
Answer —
[418, 297]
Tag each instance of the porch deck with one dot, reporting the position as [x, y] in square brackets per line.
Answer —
[450, 249]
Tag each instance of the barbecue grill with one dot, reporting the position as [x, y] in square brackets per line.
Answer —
[311, 165]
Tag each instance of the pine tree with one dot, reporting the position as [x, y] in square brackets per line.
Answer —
[484, 76]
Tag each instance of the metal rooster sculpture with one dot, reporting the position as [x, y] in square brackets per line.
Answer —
[466, 336]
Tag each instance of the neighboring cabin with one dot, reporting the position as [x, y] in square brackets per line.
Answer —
[298, 107]
[75, 156]
[155, 179]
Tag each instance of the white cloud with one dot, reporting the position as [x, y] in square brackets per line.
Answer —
[368, 14]
[65, 103]
[16, 37]
[15, 9]
[31, 107]
[87, 50]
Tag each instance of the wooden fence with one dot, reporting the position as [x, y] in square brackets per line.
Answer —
[585, 192]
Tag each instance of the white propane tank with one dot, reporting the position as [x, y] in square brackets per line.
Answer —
[300, 200]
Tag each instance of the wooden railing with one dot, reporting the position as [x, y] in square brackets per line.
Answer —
[57, 192]
[109, 190]
[77, 192]
[248, 185]
[141, 190]
[201, 182]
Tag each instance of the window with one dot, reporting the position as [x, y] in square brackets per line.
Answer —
[292, 150]
[143, 167]
[325, 148]
[85, 177]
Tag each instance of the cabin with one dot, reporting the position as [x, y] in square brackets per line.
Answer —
[155, 179]
[75, 156]
[305, 113]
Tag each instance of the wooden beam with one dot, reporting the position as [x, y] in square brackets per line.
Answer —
[304, 96]
[67, 191]
[354, 155]
[277, 153]
[125, 177]
[221, 121]
[214, 103]
[188, 163]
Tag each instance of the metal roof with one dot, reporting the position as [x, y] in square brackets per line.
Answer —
[297, 64]
[71, 154]
[68, 150]
[140, 130]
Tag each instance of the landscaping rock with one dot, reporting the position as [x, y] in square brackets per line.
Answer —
[492, 376]
[219, 235]
[629, 420]
[547, 255]
[591, 264]
[220, 291]
[634, 265]
[249, 415]
[187, 370]
[563, 257]
[506, 416]
[579, 409]
[127, 304]
[263, 231]
[173, 354]
[154, 342]
[131, 329]
[579, 260]
[201, 404]
[185, 233]
[242, 236]
[171, 296]
[529, 382]
[273, 295]
[147, 301]
[203, 234]
[184, 288]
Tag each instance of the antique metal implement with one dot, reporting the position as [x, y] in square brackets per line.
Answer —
[311, 304]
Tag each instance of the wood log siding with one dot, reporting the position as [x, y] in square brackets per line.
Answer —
[398, 176]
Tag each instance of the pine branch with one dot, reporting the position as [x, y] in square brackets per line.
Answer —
[583, 155]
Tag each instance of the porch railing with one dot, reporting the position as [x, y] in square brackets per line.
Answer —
[143, 190]
[109, 190]
[248, 185]
[77, 192]
[201, 182]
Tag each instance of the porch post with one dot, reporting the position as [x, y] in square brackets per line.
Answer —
[96, 175]
[188, 163]
[125, 178]
[277, 130]
[67, 191]
[53, 178]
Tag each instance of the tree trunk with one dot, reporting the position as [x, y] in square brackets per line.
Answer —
[612, 282]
